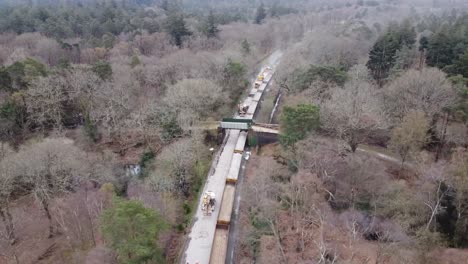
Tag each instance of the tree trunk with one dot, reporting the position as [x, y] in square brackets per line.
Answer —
[45, 205]
[422, 59]
[435, 208]
[402, 165]
[278, 240]
[89, 216]
[354, 147]
[8, 221]
[433, 214]
[442, 138]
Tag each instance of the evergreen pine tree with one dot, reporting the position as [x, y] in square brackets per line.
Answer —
[132, 231]
[382, 57]
[423, 43]
[176, 27]
[210, 28]
[261, 14]
[165, 5]
[461, 65]
[245, 47]
[440, 51]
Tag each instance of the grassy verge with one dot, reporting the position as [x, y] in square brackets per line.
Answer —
[266, 107]
[201, 170]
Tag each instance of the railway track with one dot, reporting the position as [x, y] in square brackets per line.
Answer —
[208, 239]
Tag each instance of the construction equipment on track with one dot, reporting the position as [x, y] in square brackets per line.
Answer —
[208, 204]
[242, 109]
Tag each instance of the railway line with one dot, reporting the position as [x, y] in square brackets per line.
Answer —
[209, 236]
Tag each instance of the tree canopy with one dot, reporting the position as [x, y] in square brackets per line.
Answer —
[132, 230]
[297, 122]
[261, 14]
[382, 57]
[176, 27]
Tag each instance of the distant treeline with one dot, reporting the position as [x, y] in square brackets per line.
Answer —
[88, 19]
[64, 21]
[447, 46]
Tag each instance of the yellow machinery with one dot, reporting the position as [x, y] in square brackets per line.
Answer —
[208, 203]
[242, 109]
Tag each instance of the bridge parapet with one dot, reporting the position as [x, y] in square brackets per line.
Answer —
[234, 123]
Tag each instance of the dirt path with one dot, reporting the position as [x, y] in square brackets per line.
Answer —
[378, 154]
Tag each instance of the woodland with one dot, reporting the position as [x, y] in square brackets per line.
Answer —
[371, 165]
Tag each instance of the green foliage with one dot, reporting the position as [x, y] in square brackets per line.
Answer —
[146, 159]
[170, 127]
[135, 61]
[5, 80]
[253, 240]
[277, 10]
[176, 27]
[12, 116]
[187, 208]
[18, 75]
[260, 15]
[260, 228]
[245, 47]
[461, 65]
[423, 43]
[201, 169]
[63, 64]
[447, 49]
[252, 140]
[302, 79]
[33, 68]
[440, 50]
[132, 230]
[12, 111]
[297, 122]
[382, 57]
[428, 240]
[90, 20]
[372, 3]
[165, 5]
[404, 59]
[108, 40]
[91, 128]
[234, 70]
[234, 78]
[460, 110]
[103, 69]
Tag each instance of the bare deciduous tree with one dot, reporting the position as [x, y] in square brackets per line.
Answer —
[112, 103]
[173, 167]
[193, 98]
[410, 136]
[45, 101]
[458, 180]
[353, 112]
[7, 186]
[51, 167]
[427, 90]
[48, 50]
[360, 182]
[432, 191]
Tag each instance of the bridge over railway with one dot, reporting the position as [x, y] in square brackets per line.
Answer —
[208, 237]
[252, 126]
